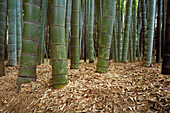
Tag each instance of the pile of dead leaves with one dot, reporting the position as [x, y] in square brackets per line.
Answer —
[125, 88]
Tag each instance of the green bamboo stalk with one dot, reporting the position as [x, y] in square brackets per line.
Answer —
[119, 30]
[91, 29]
[100, 22]
[19, 30]
[3, 14]
[165, 4]
[126, 32]
[45, 33]
[122, 30]
[107, 32]
[42, 32]
[115, 41]
[150, 33]
[12, 40]
[166, 55]
[139, 31]
[75, 53]
[27, 71]
[68, 23]
[159, 34]
[85, 32]
[58, 48]
[80, 24]
[144, 24]
[21, 15]
[131, 44]
[134, 30]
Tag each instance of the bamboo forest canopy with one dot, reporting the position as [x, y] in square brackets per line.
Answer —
[60, 31]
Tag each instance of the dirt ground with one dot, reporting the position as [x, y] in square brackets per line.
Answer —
[127, 87]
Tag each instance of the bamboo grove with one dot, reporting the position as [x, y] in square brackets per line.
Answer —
[90, 30]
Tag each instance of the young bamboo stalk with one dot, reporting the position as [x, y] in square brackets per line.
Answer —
[12, 40]
[75, 52]
[150, 33]
[27, 71]
[3, 14]
[107, 33]
[126, 32]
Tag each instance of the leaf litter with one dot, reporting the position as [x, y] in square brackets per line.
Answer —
[127, 87]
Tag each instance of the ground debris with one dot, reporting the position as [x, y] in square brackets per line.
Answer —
[125, 88]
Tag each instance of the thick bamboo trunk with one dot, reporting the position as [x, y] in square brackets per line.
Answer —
[107, 33]
[27, 71]
[3, 14]
[75, 52]
[150, 33]
[58, 48]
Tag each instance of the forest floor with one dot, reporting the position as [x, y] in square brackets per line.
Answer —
[127, 87]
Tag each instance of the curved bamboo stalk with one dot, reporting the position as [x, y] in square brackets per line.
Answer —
[12, 40]
[126, 32]
[166, 55]
[75, 53]
[58, 48]
[3, 14]
[27, 71]
[150, 33]
[107, 33]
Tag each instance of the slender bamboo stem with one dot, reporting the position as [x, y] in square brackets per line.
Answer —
[3, 14]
